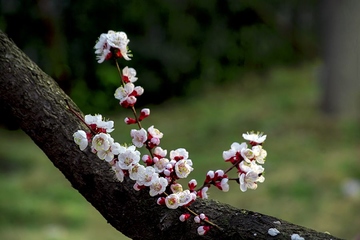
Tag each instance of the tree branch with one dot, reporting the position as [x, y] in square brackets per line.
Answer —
[39, 106]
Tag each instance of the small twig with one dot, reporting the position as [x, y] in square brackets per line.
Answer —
[78, 116]
[140, 127]
[208, 184]
[234, 165]
[123, 83]
[195, 214]
[207, 221]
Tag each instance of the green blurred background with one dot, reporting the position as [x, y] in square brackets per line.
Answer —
[211, 70]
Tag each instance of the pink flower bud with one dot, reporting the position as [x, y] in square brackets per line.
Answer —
[203, 216]
[147, 159]
[153, 142]
[202, 230]
[128, 102]
[192, 184]
[138, 187]
[203, 192]
[176, 187]
[209, 176]
[169, 166]
[155, 159]
[167, 172]
[184, 217]
[129, 120]
[161, 201]
[145, 112]
[224, 185]
[218, 174]
[169, 179]
[197, 219]
[137, 91]
[125, 79]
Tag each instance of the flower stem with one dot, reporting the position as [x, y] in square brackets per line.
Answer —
[78, 116]
[195, 214]
[139, 125]
[123, 83]
[208, 184]
[234, 165]
[207, 221]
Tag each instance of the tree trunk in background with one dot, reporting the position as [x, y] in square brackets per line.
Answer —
[38, 104]
[339, 31]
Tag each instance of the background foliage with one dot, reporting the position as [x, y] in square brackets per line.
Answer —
[178, 46]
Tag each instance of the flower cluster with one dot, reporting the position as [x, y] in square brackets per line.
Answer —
[159, 171]
[112, 44]
[247, 160]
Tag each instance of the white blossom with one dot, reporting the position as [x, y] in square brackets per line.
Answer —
[154, 132]
[93, 119]
[107, 125]
[159, 152]
[235, 149]
[102, 48]
[123, 92]
[254, 137]
[129, 74]
[80, 139]
[116, 148]
[179, 154]
[136, 170]
[183, 168]
[259, 153]
[176, 187]
[139, 137]
[108, 155]
[102, 141]
[249, 176]
[158, 186]
[160, 164]
[172, 201]
[120, 41]
[118, 173]
[148, 176]
[247, 154]
[185, 197]
[248, 180]
[129, 157]
[97, 120]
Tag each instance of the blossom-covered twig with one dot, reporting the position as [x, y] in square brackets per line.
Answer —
[160, 172]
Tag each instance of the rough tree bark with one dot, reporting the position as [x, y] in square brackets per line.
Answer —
[39, 106]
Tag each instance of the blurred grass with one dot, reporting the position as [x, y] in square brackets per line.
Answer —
[310, 158]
